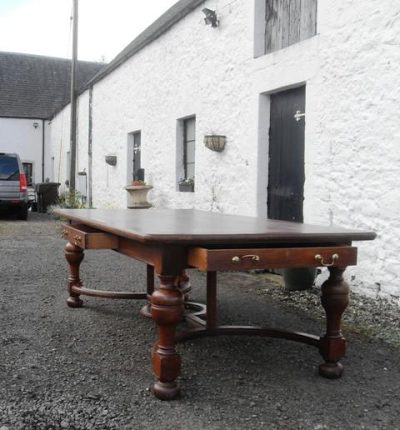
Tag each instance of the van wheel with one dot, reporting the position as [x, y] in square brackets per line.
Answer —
[23, 213]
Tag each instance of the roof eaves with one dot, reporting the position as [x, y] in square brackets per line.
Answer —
[40, 117]
[173, 15]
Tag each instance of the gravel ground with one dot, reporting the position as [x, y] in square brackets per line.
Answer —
[89, 368]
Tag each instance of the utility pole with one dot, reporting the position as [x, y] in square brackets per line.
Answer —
[73, 99]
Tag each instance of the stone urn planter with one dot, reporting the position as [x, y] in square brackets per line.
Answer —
[137, 196]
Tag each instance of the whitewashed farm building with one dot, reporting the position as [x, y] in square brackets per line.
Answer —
[306, 93]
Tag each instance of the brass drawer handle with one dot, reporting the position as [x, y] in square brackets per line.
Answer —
[335, 258]
[237, 259]
[77, 240]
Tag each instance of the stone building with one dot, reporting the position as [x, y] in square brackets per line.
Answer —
[32, 89]
[305, 93]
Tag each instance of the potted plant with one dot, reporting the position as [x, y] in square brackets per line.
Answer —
[186, 185]
[137, 194]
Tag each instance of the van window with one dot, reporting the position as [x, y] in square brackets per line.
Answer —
[9, 169]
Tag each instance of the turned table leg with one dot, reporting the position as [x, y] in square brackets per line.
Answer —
[335, 299]
[74, 256]
[183, 283]
[167, 311]
[145, 311]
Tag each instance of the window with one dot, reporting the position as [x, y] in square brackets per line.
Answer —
[281, 23]
[28, 169]
[137, 142]
[189, 141]
[185, 153]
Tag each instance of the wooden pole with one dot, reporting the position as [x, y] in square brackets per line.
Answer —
[90, 151]
[73, 99]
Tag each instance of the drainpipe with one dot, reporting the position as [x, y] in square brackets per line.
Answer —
[90, 150]
[43, 124]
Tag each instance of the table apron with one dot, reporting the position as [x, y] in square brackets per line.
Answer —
[212, 259]
[207, 259]
[89, 238]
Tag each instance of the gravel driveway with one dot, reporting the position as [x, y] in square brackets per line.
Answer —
[89, 368]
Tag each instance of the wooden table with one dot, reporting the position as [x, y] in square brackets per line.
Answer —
[170, 241]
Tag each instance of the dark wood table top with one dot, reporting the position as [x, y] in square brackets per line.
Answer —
[189, 226]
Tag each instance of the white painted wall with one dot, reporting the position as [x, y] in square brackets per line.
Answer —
[352, 155]
[57, 154]
[56, 157]
[21, 137]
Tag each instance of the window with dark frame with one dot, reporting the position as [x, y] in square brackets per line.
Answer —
[289, 22]
[28, 169]
[189, 142]
[137, 143]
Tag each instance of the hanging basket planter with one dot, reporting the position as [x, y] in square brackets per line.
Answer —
[111, 160]
[215, 142]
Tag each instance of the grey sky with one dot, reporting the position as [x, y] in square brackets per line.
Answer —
[105, 27]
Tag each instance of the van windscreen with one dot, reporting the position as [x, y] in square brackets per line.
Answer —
[9, 170]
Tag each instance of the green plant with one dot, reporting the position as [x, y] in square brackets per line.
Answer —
[186, 181]
[138, 183]
[71, 200]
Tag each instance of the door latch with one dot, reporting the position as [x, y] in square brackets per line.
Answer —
[298, 115]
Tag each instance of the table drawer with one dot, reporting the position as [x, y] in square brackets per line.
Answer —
[266, 258]
[89, 238]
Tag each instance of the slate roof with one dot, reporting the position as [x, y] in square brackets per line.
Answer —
[34, 86]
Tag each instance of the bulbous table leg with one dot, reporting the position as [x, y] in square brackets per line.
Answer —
[146, 309]
[183, 283]
[167, 311]
[335, 299]
[74, 256]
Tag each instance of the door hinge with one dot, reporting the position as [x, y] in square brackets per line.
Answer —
[298, 115]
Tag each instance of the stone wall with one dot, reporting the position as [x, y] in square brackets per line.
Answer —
[352, 130]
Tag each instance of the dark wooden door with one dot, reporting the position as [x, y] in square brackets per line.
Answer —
[286, 155]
